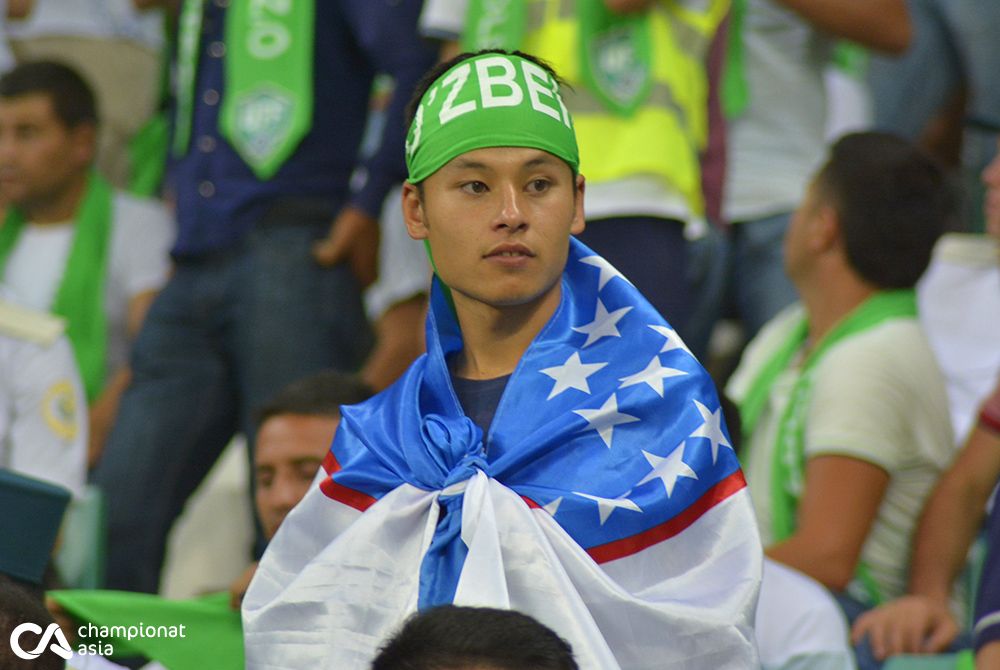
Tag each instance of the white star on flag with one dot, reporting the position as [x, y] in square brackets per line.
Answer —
[605, 506]
[653, 375]
[608, 271]
[571, 375]
[674, 340]
[604, 419]
[711, 429]
[605, 324]
[668, 469]
[553, 506]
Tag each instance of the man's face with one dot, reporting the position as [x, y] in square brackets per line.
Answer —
[39, 156]
[290, 449]
[796, 247]
[991, 204]
[498, 221]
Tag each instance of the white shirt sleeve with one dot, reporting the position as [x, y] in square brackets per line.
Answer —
[140, 245]
[443, 19]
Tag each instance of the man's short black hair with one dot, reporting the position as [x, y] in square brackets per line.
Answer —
[893, 202]
[320, 394]
[21, 605]
[456, 638]
[72, 98]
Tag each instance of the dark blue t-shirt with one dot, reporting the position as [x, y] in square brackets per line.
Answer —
[479, 399]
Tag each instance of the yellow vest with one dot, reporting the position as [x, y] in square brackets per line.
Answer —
[666, 135]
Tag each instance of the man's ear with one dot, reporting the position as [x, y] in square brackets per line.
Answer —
[83, 139]
[825, 233]
[579, 218]
[413, 212]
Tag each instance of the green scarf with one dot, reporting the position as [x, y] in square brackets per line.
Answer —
[788, 467]
[267, 107]
[615, 51]
[735, 91]
[213, 635]
[80, 297]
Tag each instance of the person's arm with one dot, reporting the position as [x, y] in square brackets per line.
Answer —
[988, 657]
[399, 52]
[922, 622]
[841, 496]
[883, 25]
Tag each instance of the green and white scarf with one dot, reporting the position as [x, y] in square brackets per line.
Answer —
[80, 296]
[267, 107]
[615, 51]
[788, 466]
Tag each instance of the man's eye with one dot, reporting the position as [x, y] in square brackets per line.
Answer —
[474, 187]
[539, 185]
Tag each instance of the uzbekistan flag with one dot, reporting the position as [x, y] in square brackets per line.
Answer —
[608, 503]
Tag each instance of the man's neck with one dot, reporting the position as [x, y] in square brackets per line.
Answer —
[60, 207]
[829, 299]
[495, 339]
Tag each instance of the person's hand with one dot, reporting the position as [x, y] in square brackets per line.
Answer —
[353, 238]
[907, 625]
[238, 588]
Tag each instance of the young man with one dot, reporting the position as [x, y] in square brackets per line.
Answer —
[294, 431]
[844, 411]
[922, 621]
[557, 451]
[70, 244]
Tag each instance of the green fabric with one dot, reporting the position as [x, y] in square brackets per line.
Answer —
[615, 50]
[80, 296]
[148, 153]
[616, 56]
[788, 466]
[213, 632]
[851, 59]
[491, 100]
[735, 91]
[964, 660]
[188, 37]
[494, 24]
[267, 108]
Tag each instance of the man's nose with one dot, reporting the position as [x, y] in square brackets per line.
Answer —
[512, 214]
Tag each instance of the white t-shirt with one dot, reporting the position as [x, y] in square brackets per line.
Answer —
[877, 396]
[799, 625]
[43, 412]
[777, 143]
[138, 261]
[100, 19]
[960, 310]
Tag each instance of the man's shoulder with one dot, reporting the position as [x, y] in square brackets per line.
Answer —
[130, 207]
[760, 349]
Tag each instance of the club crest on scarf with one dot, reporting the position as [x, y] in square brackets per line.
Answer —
[608, 423]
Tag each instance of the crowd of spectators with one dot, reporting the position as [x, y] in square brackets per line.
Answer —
[202, 240]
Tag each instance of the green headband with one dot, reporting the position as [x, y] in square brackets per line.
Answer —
[490, 100]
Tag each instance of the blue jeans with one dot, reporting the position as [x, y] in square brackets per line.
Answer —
[226, 333]
[954, 46]
[737, 270]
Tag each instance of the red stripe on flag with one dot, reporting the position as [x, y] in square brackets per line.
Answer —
[331, 489]
[636, 543]
[531, 503]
